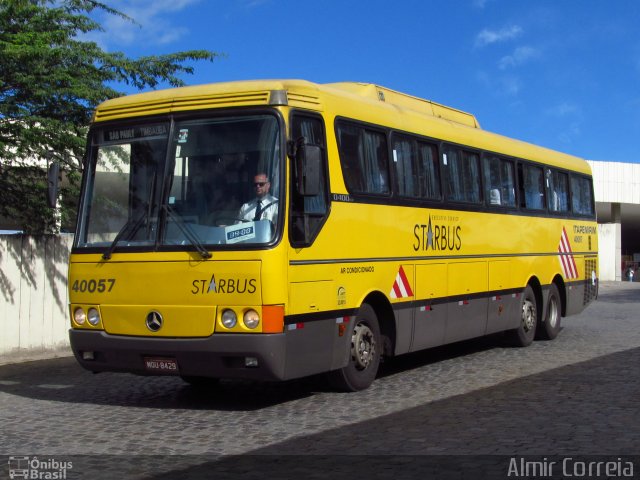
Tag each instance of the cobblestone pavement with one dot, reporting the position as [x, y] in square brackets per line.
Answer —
[449, 409]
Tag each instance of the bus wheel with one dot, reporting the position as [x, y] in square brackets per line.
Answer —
[525, 333]
[550, 326]
[366, 348]
[201, 383]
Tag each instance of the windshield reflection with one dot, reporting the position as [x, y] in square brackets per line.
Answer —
[218, 171]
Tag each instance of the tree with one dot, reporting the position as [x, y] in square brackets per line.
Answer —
[51, 80]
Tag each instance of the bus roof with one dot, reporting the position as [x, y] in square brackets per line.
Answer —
[385, 106]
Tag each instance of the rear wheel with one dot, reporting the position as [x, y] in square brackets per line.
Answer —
[550, 326]
[365, 352]
[526, 331]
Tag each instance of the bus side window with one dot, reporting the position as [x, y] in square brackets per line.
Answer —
[407, 183]
[308, 213]
[531, 187]
[463, 175]
[364, 159]
[581, 196]
[558, 188]
[416, 168]
[430, 174]
[499, 182]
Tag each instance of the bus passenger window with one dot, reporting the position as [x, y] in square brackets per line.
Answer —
[364, 159]
[581, 196]
[407, 183]
[430, 175]
[499, 182]
[531, 187]
[416, 169]
[463, 176]
[558, 185]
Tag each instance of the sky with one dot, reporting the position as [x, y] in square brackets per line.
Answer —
[564, 74]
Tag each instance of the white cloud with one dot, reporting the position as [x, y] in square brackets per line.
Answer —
[152, 22]
[563, 109]
[487, 37]
[511, 86]
[570, 133]
[519, 56]
[256, 3]
[501, 85]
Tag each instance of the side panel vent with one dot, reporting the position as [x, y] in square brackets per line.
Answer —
[300, 100]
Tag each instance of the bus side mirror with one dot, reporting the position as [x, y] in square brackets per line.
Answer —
[308, 162]
[53, 184]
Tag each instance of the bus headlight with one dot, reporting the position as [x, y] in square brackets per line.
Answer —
[229, 318]
[79, 316]
[93, 317]
[251, 319]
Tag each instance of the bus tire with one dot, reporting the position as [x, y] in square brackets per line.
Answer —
[526, 331]
[365, 352]
[550, 326]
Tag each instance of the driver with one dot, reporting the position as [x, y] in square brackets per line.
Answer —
[264, 206]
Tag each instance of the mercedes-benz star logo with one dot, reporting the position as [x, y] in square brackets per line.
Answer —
[154, 321]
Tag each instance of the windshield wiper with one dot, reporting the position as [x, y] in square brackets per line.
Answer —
[129, 227]
[188, 232]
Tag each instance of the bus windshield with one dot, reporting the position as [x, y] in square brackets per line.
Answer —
[182, 184]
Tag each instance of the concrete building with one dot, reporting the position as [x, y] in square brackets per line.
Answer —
[617, 195]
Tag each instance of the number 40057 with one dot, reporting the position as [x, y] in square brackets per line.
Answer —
[100, 285]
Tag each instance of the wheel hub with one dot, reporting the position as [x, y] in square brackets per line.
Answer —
[553, 313]
[528, 315]
[363, 347]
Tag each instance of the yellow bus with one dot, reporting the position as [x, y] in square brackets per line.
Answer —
[387, 224]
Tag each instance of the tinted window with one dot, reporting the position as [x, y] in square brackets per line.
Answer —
[558, 186]
[581, 197]
[308, 213]
[463, 175]
[499, 182]
[531, 187]
[364, 159]
[416, 168]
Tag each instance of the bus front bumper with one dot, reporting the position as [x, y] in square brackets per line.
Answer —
[259, 356]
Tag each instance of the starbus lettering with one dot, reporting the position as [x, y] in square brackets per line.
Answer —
[437, 237]
[223, 285]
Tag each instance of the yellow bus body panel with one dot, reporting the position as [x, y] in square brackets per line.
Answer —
[186, 293]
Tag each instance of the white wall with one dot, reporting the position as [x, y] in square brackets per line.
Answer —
[616, 182]
[34, 302]
[609, 251]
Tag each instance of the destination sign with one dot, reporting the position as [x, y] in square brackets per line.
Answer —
[135, 133]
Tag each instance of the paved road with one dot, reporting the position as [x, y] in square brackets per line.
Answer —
[468, 408]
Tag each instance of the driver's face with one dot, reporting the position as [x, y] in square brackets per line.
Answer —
[261, 184]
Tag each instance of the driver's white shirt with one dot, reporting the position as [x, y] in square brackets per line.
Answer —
[269, 205]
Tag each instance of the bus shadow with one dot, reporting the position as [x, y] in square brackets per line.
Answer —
[551, 414]
[422, 358]
[63, 380]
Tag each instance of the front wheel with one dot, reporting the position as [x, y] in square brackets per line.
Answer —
[526, 331]
[365, 352]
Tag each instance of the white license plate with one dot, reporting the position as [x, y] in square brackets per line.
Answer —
[168, 366]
